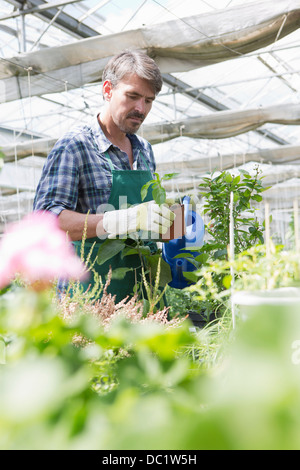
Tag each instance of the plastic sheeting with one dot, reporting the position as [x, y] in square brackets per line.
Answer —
[40, 147]
[219, 125]
[202, 164]
[223, 124]
[284, 179]
[177, 46]
[25, 175]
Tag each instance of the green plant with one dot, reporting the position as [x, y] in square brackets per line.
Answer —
[71, 384]
[155, 273]
[74, 375]
[181, 302]
[158, 191]
[211, 277]
[253, 270]
[259, 269]
[75, 292]
[89, 376]
[217, 191]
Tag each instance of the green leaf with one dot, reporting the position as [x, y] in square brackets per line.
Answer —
[165, 270]
[182, 255]
[143, 250]
[146, 307]
[169, 176]
[257, 198]
[227, 281]
[4, 290]
[120, 273]
[108, 249]
[220, 253]
[236, 196]
[159, 195]
[144, 190]
[228, 178]
[236, 180]
[192, 249]
[202, 259]
[191, 276]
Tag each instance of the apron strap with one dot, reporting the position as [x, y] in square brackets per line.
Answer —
[112, 166]
[109, 161]
[145, 162]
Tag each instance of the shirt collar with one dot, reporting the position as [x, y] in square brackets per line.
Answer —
[102, 140]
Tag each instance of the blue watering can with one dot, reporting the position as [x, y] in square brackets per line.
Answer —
[194, 237]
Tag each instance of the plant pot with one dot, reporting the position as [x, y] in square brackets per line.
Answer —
[250, 302]
[197, 319]
[178, 228]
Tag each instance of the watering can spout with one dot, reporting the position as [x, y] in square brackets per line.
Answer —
[193, 238]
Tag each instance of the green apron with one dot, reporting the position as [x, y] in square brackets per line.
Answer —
[124, 183]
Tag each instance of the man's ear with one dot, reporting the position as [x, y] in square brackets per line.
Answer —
[107, 90]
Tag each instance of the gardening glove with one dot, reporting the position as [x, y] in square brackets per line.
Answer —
[147, 217]
[170, 202]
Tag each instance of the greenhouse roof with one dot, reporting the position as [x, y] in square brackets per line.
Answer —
[231, 93]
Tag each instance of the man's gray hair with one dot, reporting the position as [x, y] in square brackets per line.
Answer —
[133, 62]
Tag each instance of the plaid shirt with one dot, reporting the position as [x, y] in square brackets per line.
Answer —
[77, 176]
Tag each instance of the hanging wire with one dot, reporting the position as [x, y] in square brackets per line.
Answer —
[31, 120]
[264, 87]
[44, 74]
[60, 10]
[2, 214]
[17, 179]
[196, 29]
[134, 15]
[30, 105]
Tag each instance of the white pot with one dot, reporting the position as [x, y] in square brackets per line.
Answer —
[246, 302]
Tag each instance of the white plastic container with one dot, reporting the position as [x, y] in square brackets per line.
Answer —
[246, 302]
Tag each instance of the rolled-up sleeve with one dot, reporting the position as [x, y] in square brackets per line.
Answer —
[58, 187]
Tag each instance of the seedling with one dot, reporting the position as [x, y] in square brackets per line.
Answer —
[158, 191]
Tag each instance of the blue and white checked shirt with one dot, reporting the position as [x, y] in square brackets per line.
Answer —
[77, 176]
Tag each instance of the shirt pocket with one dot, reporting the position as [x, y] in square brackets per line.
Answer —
[94, 177]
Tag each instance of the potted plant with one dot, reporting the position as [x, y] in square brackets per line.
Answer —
[212, 280]
[177, 230]
[216, 191]
[266, 278]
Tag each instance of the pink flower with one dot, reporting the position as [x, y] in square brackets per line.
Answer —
[38, 250]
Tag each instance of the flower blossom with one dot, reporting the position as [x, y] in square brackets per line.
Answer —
[37, 250]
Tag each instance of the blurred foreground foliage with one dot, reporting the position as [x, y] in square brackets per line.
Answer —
[69, 383]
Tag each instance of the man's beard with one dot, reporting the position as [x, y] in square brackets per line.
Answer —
[132, 129]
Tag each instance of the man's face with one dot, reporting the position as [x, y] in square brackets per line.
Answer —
[129, 102]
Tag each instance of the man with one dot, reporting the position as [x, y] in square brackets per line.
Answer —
[102, 163]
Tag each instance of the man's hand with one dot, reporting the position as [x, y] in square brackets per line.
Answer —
[148, 217]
